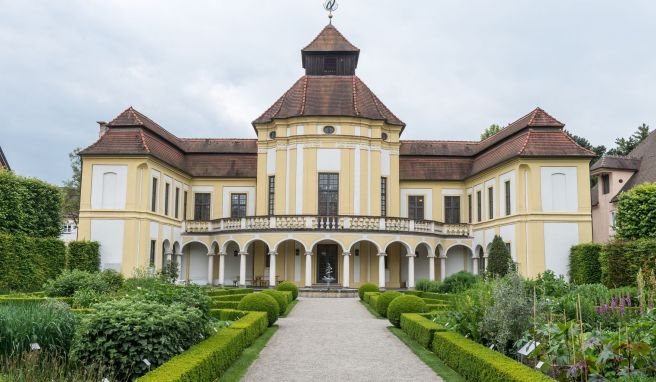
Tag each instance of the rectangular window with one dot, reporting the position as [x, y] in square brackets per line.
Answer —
[490, 201]
[469, 208]
[328, 194]
[238, 205]
[153, 196]
[383, 196]
[177, 202]
[479, 206]
[202, 206]
[330, 64]
[272, 194]
[184, 205]
[452, 209]
[167, 191]
[416, 207]
[507, 187]
[605, 183]
[153, 245]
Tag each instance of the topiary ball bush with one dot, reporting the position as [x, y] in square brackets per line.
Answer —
[384, 300]
[280, 299]
[367, 287]
[404, 304]
[289, 286]
[261, 302]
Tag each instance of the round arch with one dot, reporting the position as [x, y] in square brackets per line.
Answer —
[439, 251]
[352, 244]
[176, 247]
[325, 240]
[405, 245]
[187, 244]
[225, 245]
[247, 246]
[459, 257]
[276, 246]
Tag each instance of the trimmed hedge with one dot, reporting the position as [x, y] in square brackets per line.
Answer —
[366, 287]
[373, 301]
[84, 255]
[208, 360]
[228, 291]
[228, 297]
[384, 300]
[280, 299]
[225, 304]
[289, 287]
[621, 260]
[289, 295]
[436, 307]
[404, 304]
[475, 362]
[261, 302]
[367, 296]
[27, 262]
[417, 293]
[584, 266]
[420, 328]
[445, 297]
[226, 314]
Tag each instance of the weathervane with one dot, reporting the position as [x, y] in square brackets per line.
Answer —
[331, 6]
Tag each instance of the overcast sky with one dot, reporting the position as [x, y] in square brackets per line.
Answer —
[448, 69]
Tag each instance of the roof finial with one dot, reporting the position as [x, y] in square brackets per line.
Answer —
[330, 6]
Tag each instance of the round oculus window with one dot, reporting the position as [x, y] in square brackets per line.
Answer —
[384, 136]
[328, 129]
[272, 135]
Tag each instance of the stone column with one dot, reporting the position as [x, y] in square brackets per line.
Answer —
[210, 268]
[242, 268]
[431, 268]
[411, 270]
[272, 268]
[347, 272]
[308, 268]
[485, 258]
[442, 268]
[475, 267]
[167, 258]
[178, 260]
[381, 269]
[222, 257]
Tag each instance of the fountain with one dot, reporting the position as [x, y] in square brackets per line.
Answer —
[328, 274]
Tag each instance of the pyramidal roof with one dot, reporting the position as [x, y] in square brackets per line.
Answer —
[330, 40]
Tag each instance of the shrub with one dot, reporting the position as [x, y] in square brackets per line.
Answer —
[584, 266]
[636, 213]
[51, 324]
[27, 262]
[280, 299]
[227, 314]
[367, 296]
[591, 295]
[253, 325]
[420, 328]
[477, 363]
[228, 297]
[426, 285]
[84, 298]
[465, 316]
[621, 260]
[225, 304]
[66, 284]
[404, 304]
[458, 282]
[84, 255]
[289, 286]
[119, 334]
[113, 279]
[366, 287]
[261, 302]
[29, 207]
[384, 300]
[373, 300]
[547, 284]
[499, 261]
[191, 296]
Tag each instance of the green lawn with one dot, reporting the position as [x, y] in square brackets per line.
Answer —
[248, 356]
[428, 357]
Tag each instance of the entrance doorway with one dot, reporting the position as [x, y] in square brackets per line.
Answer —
[327, 263]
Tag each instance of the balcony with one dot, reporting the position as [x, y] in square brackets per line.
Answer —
[326, 223]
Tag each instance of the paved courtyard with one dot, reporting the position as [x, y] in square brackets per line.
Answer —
[336, 339]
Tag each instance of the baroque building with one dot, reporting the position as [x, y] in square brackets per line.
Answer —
[328, 183]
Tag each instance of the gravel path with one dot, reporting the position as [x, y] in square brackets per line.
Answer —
[336, 339]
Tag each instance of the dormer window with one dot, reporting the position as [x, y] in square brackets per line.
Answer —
[330, 65]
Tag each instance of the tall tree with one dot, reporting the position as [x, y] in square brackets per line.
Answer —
[499, 260]
[490, 131]
[598, 150]
[71, 189]
[626, 145]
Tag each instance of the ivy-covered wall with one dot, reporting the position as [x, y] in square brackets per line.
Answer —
[29, 206]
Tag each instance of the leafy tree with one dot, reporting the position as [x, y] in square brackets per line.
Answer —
[499, 261]
[490, 131]
[598, 150]
[626, 145]
[71, 189]
[636, 213]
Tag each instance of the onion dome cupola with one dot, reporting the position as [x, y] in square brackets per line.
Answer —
[329, 87]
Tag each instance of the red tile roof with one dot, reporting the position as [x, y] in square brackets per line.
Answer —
[329, 96]
[646, 152]
[330, 40]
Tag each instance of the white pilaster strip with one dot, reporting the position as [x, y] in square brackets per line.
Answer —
[356, 188]
[369, 180]
[299, 179]
[288, 162]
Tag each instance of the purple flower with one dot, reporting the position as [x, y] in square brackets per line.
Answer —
[621, 309]
[613, 303]
[628, 299]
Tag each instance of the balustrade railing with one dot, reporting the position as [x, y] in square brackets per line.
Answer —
[327, 223]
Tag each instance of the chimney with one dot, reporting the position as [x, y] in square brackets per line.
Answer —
[103, 128]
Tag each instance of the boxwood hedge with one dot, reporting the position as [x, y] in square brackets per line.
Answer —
[584, 266]
[27, 262]
[384, 301]
[404, 304]
[420, 328]
[84, 255]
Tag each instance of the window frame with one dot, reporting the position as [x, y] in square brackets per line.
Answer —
[154, 184]
[207, 207]
[185, 195]
[167, 197]
[490, 203]
[605, 184]
[330, 65]
[177, 203]
[470, 208]
[332, 189]
[153, 253]
[416, 210]
[507, 188]
[383, 196]
[479, 205]
[452, 209]
[239, 210]
[271, 195]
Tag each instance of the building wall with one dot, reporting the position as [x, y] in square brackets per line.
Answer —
[602, 213]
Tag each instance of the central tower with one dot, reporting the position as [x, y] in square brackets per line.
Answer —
[330, 54]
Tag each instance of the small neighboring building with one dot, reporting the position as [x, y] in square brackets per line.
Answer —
[69, 231]
[4, 164]
[617, 174]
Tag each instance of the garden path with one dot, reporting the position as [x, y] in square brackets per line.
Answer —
[336, 339]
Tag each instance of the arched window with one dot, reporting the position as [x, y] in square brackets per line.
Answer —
[109, 190]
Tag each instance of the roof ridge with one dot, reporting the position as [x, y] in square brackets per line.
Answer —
[528, 137]
[436, 140]
[573, 141]
[218, 139]
[305, 83]
[143, 140]
[332, 27]
[136, 116]
[355, 96]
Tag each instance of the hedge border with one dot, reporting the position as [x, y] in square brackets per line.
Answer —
[420, 328]
[208, 360]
